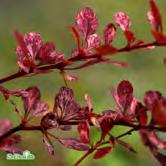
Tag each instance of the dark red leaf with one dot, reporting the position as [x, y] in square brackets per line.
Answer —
[89, 103]
[40, 109]
[159, 114]
[66, 108]
[27, 49]
[49, 121]
[26, 65]
[106, 125]
[154, 16]
[8, 144]
[29, 45]
[32, 98]
[83, 129]
[74, 144]
[153, 96]
[151, 140]
[122, 20]
[125, 93]
[48, 54]
[7, 93]
[131, 113]
[109, 34]
[93, 41]
[114, 115]
[130, 37]
[86, 21]
[20, 40]
[76, 36]
[141, 114]
[102, 152]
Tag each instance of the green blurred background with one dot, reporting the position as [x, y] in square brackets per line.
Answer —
[50, 18]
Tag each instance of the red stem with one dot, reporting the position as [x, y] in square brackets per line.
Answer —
[19, 128]
[22, 127]
[63, 64]
[13, 76]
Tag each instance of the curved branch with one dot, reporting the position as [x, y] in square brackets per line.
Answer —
[80, 58]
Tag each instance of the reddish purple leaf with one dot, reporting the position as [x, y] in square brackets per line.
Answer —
[63, 99]
[32, 98]
[49, 121]
[83, 129]
[122, 20]
[159, 114]
[48, 54]
[26, 65]
[22, 49]
[132, 108]
[86, 21]
[151, 140]
[125, 94]
[76, 36]
[27, 49]
[93, 41]
[89, 103]
[33, 43]
[7, 93]
[109, 34]
[74, 144]
[40, 109]
[102, 152]
[152, 96]
[66, 108]
[114, 95]
[141, 114]
[106, 125]
[8, 144]
[29, 45]
[114, 115]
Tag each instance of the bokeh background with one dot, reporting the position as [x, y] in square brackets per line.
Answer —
[50, 18]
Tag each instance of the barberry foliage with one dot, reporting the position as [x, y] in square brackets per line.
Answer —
[35, 56]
